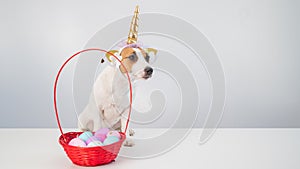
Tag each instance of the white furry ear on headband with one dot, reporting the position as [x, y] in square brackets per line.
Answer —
[151, 51]
[112, 59]
[109, 56]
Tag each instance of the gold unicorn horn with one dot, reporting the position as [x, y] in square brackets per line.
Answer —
[133, 33]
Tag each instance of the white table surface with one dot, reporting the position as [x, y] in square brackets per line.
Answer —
[228, 148]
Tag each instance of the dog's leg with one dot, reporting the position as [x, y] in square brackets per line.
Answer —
[84, 123]
[131, 132]
[129, 142]
[117, 126]
[89, 119]
[97, 124]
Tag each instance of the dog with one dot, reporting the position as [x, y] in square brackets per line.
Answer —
[108, 104]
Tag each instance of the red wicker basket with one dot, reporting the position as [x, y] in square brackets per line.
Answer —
[90, 156]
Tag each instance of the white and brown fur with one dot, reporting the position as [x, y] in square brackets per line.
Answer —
[109, 103]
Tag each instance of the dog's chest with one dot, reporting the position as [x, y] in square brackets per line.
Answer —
[111, 90]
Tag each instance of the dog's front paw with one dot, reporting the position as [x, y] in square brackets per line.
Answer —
[129, 142]
[131, 132]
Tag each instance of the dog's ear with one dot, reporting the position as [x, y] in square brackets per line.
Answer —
[111, 58]
[152, 53]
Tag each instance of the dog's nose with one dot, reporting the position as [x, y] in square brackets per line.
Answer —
[148, 70]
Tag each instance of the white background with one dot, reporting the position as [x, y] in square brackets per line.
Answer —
[257, 42]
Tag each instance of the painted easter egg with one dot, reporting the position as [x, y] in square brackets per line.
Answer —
[91, 139]
[113, 133]
[85, 135]
[77, 142]
[100, 137]
[95, 144]
[102, 131]
[110, 140]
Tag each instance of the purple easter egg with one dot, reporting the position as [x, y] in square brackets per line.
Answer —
[91, 139]
[100, 136]
[113, 133]
[77, 142]
[102, 131]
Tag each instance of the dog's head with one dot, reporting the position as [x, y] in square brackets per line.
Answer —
[135, 60]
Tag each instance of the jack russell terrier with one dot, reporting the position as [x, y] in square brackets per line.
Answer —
[109, 103]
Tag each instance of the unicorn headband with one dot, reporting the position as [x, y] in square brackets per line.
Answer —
[132, 37]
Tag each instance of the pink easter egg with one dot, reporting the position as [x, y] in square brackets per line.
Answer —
[113, 133]
[91, 139]
[77, 142]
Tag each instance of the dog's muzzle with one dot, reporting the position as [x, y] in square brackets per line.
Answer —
[148, 72]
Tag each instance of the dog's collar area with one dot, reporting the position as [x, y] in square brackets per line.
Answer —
[123, 74]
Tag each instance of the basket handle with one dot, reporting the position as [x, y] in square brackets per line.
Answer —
[62, 67]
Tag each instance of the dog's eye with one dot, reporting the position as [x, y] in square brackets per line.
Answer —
[147, 57]
[132, 57]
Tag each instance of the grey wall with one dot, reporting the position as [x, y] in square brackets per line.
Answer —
[257, 41]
